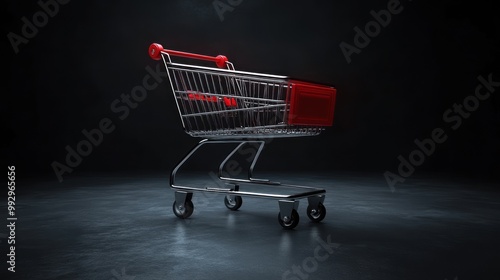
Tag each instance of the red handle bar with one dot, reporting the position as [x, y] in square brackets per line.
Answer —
[155, 51]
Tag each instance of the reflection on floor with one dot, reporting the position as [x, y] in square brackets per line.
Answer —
[122, 227]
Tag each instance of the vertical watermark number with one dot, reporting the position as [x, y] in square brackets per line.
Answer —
[11, 218]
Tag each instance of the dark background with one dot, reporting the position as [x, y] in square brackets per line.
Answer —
[396, 90]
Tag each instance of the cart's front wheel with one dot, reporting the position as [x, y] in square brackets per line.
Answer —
[289, 222]
[183, 211]
[316, 214]
[233, 202]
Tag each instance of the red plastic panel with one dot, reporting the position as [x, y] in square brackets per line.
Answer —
[311, 104]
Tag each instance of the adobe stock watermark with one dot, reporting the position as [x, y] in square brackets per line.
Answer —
[233, 167]
[452, 117]
[310, 264]
[122, 107]
[31, 27]
[222, 7]
[372, 29]
[122, 275]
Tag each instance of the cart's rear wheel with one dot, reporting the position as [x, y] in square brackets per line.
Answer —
[183, 211]
[290, 222]
[233, 202]
[316, 214]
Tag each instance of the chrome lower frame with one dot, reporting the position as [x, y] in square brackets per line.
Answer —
[287, 202]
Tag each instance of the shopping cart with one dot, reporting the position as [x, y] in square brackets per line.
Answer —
[225, 106]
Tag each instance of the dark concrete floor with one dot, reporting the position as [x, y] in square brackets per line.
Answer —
[122, 228]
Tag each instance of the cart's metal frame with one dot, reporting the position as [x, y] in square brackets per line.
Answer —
[257, 109]
[287, 202]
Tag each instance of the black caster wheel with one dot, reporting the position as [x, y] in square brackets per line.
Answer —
[233, 203]
[290, 222]
[318, 214]
[183, 211]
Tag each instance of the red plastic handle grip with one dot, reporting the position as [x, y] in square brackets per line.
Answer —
[155, 51]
